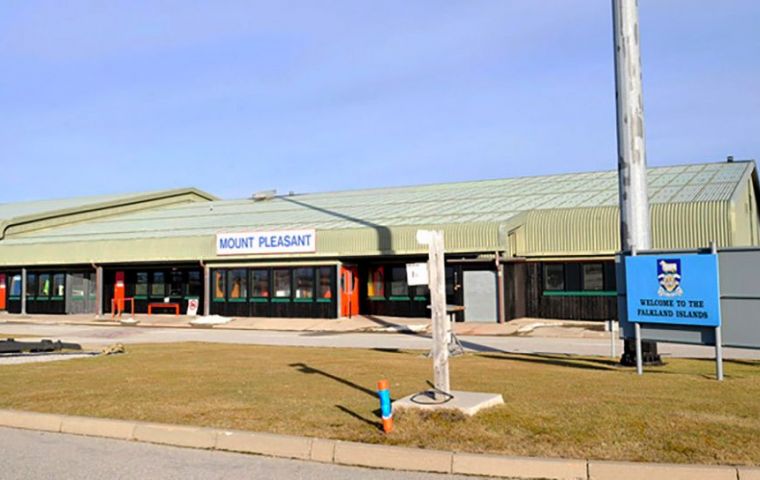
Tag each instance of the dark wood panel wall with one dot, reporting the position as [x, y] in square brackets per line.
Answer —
[526, 296]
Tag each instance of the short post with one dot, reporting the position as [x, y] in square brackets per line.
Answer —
[386, 410]
[23, 291]
[639, 361]
[441, 327]
[613, 340]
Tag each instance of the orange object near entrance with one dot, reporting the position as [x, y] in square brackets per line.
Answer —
[3, 290]
[118, 292]
[349, 290]
[173, 306]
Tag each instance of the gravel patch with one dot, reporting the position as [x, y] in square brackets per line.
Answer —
[17, 358]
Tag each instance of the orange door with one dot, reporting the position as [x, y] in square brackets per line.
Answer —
[2, 291]
[349, 290]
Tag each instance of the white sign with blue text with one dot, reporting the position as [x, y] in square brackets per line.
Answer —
[276, 241]
[673, 289]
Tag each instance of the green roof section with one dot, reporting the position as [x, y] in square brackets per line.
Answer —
[34, 215]
[531, 217]
[489, 201]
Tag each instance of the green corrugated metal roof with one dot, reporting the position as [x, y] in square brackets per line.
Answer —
[489, 201]
[49, 213]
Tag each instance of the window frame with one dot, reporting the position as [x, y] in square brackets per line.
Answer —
[545, 279]
[601, 277]
[287, 273]
[237, 273]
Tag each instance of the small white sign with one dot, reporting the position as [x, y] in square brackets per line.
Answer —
[416, 274]
[276, 241]
[192, 307]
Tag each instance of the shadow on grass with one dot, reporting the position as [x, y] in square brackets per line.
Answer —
[581, 363]
[369, 422]
[735, 361]
[303, 368]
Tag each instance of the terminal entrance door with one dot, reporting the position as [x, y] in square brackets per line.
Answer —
[349, 290]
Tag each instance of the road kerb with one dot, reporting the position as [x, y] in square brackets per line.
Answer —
[599, 470]
[520, 467]
[264, 444]
[98, 427]
[748, 473]
[322, 450]
[181, 436]
[365, 455]
[30, 420]
[396, 458]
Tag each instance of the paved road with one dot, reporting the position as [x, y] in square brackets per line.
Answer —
[105, 335]
[38, 455]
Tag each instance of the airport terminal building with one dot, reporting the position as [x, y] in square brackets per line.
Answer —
[521, 247]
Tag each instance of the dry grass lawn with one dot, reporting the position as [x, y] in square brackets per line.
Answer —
[555, 405]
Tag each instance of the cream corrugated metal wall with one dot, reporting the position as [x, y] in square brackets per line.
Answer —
[595, 231]
[481, 237]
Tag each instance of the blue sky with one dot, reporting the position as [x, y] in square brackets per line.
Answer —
[239, 96]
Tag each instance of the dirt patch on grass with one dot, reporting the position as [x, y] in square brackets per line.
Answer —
[555, 405]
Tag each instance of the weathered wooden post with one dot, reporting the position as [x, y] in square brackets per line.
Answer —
[441, 327]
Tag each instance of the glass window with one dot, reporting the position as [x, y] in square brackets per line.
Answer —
[194, 285]
[593, 276]
[421, 291]
[554, 276]
[141, 285]
[281, 279]
[59, 284]
[175, 286]
[31, 287]
[376, 282]
[219, 284]
[43, 285]
[237, 283]
[324, 281]
[16, 285]
[399, 288]
[158, 286]
[260, 282]
[304, 281]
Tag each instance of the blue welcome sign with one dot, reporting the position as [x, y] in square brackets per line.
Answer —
[673, 289]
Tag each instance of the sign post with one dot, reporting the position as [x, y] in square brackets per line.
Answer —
[437, 284]
[718, 333]
[677, 290]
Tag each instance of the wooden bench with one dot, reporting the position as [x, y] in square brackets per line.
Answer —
[175, 306]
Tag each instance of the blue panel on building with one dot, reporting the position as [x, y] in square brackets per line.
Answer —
[673, 289]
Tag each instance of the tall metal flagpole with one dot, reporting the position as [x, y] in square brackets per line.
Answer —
[632, 163]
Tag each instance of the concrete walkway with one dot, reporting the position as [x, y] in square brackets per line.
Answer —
[360, 323]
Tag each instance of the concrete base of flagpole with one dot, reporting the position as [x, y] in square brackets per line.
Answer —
[468, 403]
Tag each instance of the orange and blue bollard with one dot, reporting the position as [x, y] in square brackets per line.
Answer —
[386, 410]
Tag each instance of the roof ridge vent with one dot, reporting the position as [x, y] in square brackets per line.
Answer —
[262, 195]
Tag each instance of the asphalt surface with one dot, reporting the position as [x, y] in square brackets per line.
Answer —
[96, 336]
[39, 455]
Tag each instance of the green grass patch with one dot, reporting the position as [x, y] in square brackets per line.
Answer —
[555, 405]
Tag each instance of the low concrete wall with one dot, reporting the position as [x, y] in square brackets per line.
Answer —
[364, 455]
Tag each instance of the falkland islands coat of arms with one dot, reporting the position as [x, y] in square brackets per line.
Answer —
[669, 276]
